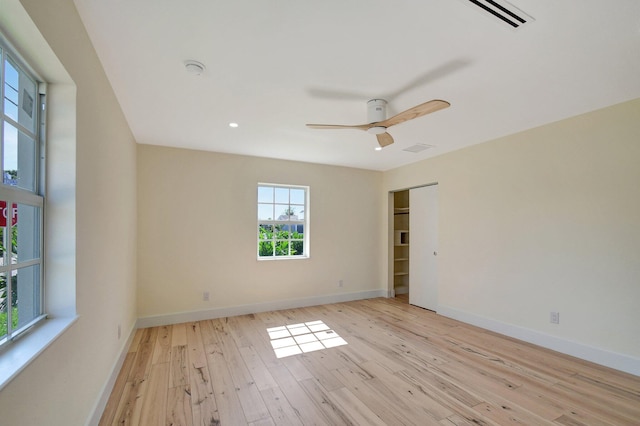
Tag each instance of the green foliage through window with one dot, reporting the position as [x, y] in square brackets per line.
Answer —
[277, 242]
[4, 297]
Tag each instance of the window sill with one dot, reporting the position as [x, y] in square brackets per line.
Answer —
[17, 355]
[269, 258]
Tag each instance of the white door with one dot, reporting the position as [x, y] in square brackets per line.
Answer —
[423, 247]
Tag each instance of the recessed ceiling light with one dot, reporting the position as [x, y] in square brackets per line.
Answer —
[234, 125]
[378, 148]
[194, 67]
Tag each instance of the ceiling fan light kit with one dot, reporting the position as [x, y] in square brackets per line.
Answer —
[376, 130]
[378, 121]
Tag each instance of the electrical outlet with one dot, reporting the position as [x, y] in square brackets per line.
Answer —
[205, 296]
[341, 283]
[555, 317]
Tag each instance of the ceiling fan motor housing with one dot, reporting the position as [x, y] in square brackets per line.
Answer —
[376, 110]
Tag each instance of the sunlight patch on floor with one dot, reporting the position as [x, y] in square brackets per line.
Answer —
[305, 337]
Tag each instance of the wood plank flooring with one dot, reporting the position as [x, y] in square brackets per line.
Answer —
[402, 365]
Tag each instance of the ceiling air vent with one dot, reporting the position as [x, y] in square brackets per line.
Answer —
[504, 11]
[418, 148]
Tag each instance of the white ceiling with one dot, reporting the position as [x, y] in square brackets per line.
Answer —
[273, 66]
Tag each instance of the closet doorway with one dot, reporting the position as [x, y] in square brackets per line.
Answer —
[415, 245]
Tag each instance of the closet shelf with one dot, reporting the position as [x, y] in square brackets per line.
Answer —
[400, 241]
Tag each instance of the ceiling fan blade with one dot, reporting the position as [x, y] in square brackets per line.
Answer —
[429, 76]
[415, 112]
[384, 139]
[339, 126]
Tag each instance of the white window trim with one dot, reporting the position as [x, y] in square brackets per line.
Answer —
[60, 219]
[27, 347]
[305, 222]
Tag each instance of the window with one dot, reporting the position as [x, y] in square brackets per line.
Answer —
[283, 219]
[21, 199]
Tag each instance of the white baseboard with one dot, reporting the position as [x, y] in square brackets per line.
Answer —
[180, 317]
[614, 360]
[108, 386]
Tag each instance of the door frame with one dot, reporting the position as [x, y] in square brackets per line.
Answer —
[390, 236]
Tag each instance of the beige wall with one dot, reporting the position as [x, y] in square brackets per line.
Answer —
[544, 220]
[62, 385]
[197, 231]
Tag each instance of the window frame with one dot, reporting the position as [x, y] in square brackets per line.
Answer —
[304, 222]
[15, 195]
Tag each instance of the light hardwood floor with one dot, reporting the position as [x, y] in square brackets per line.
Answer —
[402, 365]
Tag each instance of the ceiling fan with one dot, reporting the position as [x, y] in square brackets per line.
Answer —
[378, 121]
